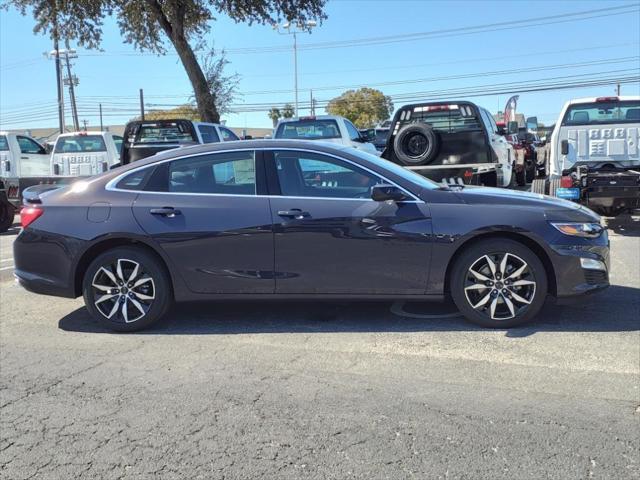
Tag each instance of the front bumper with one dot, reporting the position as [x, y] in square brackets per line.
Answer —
[574, 280]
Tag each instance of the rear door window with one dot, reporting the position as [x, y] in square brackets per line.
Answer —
[602, 113]
[81, 143]
[208, 134]
[309, 129]
[4, 144]
[232, 173]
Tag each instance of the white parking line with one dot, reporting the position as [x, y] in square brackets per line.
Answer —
[5, 260]
[10, 267]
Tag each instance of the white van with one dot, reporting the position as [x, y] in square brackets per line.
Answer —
[83, 154]
[594, 154]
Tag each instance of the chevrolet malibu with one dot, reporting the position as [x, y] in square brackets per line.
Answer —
[281, 219]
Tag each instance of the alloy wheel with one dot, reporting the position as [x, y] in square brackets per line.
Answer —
[123, 291]
[500, 285]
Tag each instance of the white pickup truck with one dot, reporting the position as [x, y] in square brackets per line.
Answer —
[594, 156]
[328, 128]
[83, 154]
[23, 162]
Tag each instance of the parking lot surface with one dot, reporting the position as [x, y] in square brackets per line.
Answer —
[307, 390]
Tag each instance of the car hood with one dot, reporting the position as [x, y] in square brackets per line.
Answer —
[555, 208]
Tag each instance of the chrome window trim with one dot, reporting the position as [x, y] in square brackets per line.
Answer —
[111, 185]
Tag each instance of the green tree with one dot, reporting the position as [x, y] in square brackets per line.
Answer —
[188, 111]
[149, 24]
[365, 107]
[274, 115]
[288, 111]
[223, 87]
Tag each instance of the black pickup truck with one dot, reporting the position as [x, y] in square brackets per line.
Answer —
[450, 142]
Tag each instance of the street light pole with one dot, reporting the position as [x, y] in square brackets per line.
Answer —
[295, 72]
[287, 26]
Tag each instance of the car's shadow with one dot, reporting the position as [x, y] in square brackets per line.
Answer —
[615, 310]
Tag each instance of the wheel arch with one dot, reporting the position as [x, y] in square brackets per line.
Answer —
[528, 242]
[106, 244]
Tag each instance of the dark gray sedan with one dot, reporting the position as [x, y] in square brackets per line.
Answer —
[291, 220]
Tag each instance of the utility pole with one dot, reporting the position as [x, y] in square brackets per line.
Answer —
[295, 71]
[71, 80]
[141, 105]
[84, 122]
[618, 90]
[58, 77]
[312, 107]
[100, 106]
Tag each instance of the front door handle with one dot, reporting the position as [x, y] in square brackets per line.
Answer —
[169, 212]
[293, 213]
[24, 158]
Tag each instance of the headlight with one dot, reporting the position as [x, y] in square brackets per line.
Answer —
[588, 230]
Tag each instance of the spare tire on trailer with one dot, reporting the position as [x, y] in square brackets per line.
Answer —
[416, 144]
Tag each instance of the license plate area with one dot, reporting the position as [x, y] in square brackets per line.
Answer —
[568, 193]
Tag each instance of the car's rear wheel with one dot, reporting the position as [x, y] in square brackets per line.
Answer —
[127, 289]
[498, 283]
[530, 171]
[520, 178]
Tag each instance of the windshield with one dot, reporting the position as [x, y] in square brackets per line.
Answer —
[443, 118]
[165, 132]
[4, 144]
[603, 113]
[308, 130]
[396, 169]
[80, 143]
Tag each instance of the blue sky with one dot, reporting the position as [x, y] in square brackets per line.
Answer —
[27, 79]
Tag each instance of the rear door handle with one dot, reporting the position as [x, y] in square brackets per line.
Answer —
[24, 158]
[293, 213]
[169, 212]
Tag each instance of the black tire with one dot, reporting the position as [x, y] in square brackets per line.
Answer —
[505, 298]
[416, 144]
[7, 213]
[554, 185]
[539, 185]
[109, 312]
[520, 179]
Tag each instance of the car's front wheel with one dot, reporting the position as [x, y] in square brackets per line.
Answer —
[127, 289]
[498, 283]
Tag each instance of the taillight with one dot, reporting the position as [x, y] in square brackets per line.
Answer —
[566, 182]
[607, 99]
[28, 215]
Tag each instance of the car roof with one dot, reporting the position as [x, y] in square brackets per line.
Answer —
[593, 99]
[310, 118]
[320, 146]
[83, 133]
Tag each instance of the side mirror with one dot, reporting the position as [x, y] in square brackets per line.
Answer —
[564, 147]
[368, 135]
[382, 193]
[512, 127]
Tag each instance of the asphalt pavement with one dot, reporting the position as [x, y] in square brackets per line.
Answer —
[308, 390]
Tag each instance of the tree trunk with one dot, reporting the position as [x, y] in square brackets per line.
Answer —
[204, 98]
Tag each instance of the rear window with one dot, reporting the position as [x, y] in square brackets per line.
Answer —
[165, 132]
[80, 143]
[443, 118]
[308, 130]
[4, 144]
[602, 113]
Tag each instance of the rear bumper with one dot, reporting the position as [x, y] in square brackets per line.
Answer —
[44, 262]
